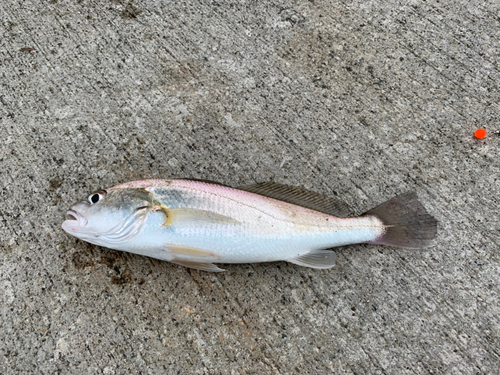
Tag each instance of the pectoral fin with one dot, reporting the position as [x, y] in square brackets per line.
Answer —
[191, 216]
[320, 259]
[209, 267]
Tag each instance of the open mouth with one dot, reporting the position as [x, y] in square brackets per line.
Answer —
[74, 219]
[71, 215]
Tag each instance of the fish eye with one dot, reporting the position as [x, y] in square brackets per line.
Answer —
[97, 196]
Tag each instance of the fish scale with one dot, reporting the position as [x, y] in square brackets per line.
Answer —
[197, 223]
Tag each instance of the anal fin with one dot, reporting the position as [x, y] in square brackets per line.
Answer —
[320, 259]
[209, 267]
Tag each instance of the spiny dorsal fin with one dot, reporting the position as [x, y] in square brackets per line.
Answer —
[206, 181]
[319, 259]
[300, 197]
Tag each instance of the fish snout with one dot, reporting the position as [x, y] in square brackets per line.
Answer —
[73, 221]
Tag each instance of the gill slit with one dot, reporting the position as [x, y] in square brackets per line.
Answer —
[130, 228]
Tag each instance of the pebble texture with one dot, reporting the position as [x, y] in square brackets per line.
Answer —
[359, 99]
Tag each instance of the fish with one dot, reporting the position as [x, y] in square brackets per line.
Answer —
[199, 224]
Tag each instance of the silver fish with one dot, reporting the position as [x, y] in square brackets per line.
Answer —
[198, 223]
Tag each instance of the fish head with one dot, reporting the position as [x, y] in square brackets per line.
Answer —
[108, 217]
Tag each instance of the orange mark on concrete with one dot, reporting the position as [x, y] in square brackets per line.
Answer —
[480, 133]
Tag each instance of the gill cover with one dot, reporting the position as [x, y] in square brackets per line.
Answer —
[109, 217]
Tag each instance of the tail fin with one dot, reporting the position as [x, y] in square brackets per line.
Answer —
[407, 222]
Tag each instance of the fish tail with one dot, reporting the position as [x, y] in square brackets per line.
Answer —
[407, 223]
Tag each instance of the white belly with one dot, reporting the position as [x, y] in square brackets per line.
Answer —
[246, 242]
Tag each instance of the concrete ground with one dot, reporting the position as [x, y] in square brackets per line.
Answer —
[357, 99]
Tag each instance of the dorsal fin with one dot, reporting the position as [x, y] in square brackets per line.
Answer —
[206, 181]
[300, 197]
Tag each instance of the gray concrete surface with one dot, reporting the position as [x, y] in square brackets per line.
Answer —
[360, 99]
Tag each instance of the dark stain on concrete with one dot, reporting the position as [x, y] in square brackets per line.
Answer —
[130, 12]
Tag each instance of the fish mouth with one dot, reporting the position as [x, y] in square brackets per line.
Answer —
[71, 215]
[73, 220]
